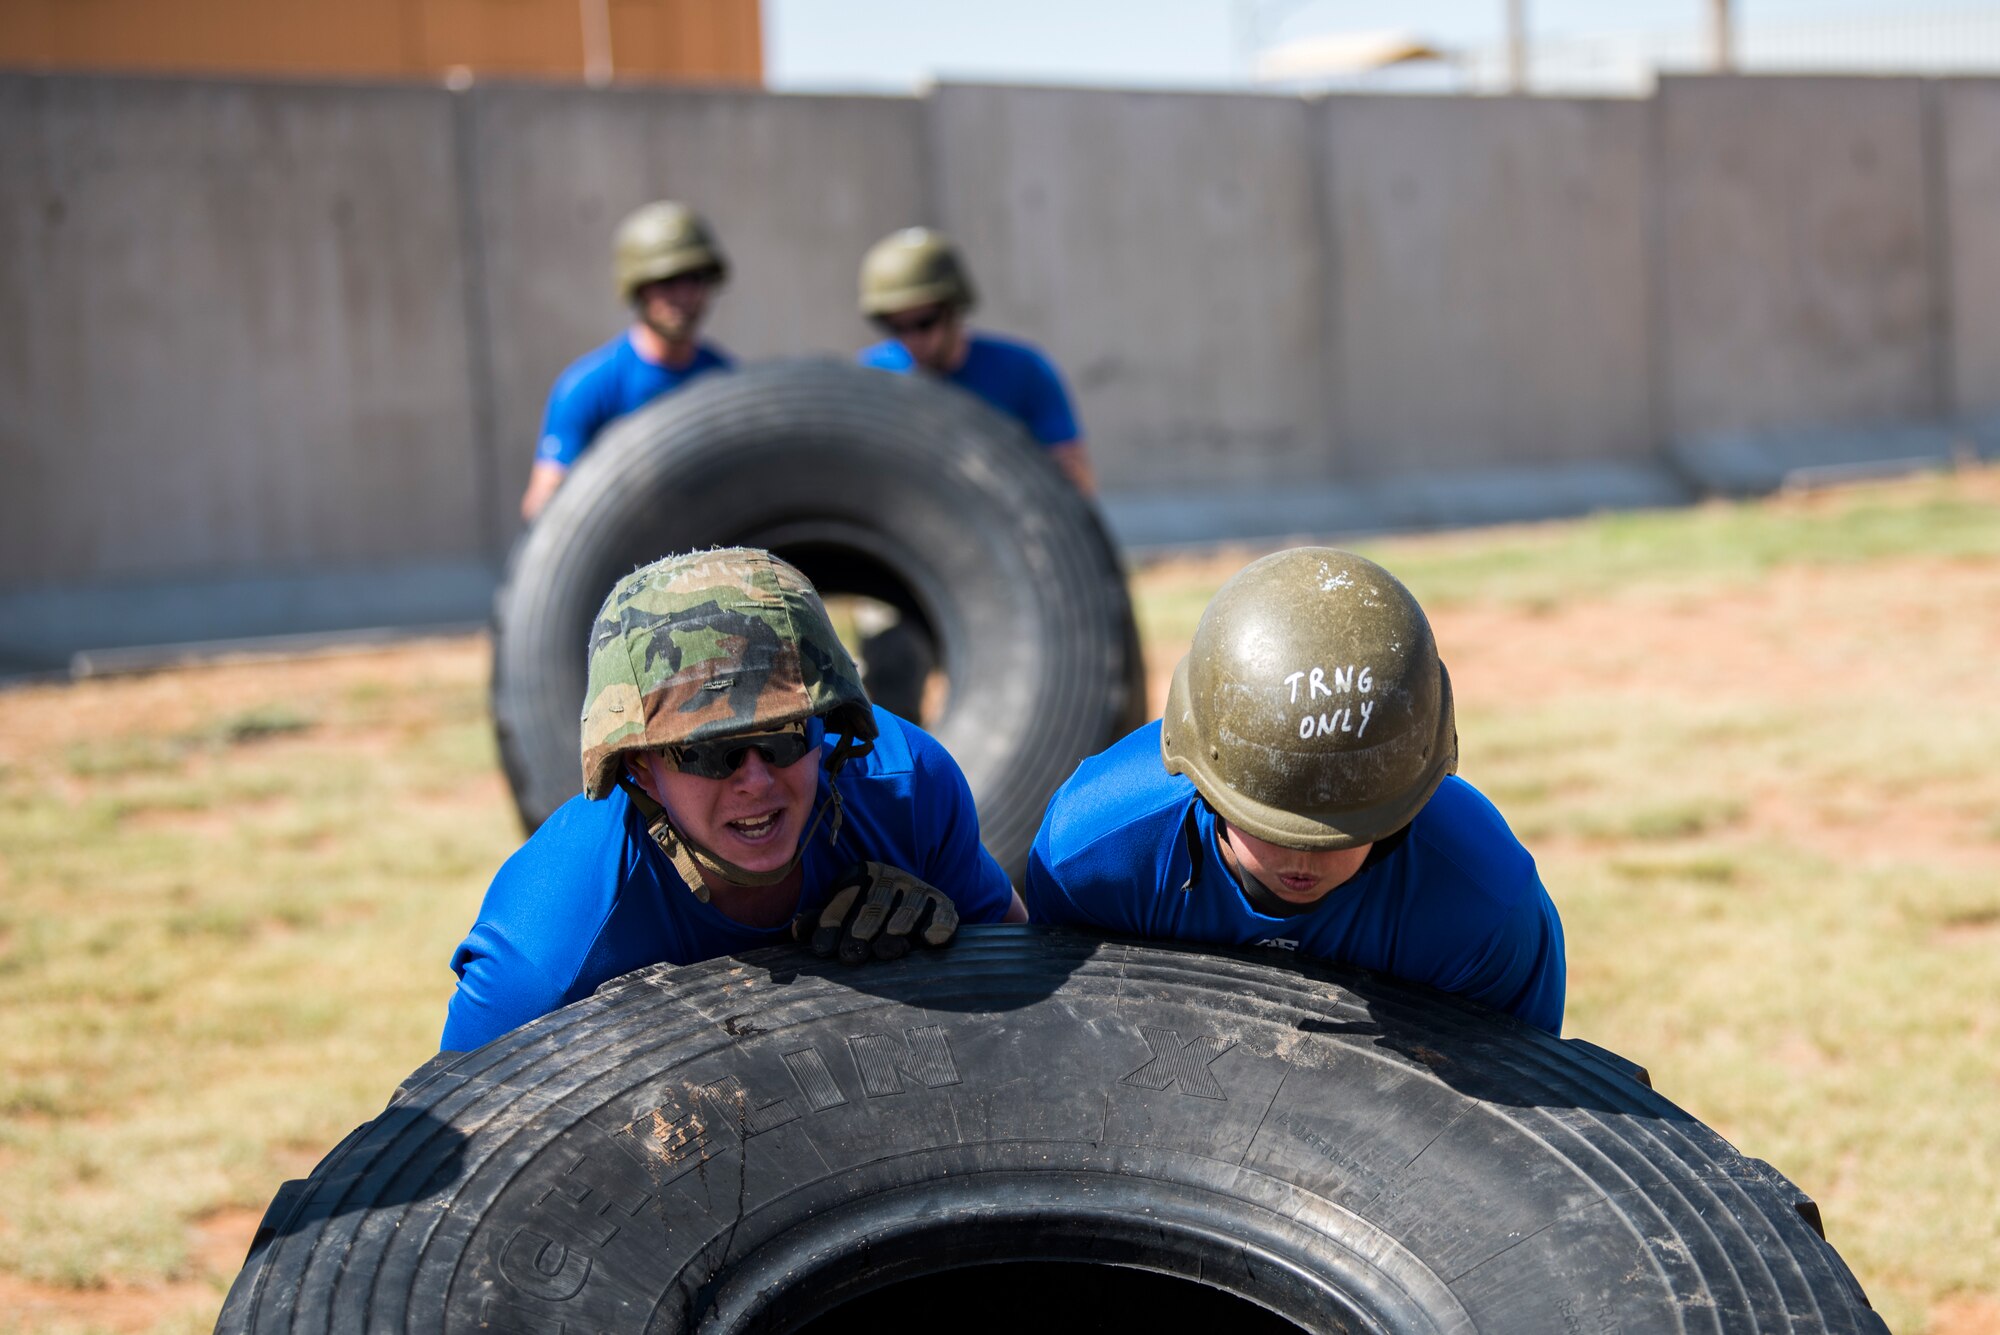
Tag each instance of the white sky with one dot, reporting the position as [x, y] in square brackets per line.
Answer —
[896, 45]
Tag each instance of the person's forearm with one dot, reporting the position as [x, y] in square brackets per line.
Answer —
[543, 480]
[1074, 461]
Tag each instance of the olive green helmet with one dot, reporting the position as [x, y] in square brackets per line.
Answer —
[914, 267]
[1311, 710]
[662, 240]
[707, 645]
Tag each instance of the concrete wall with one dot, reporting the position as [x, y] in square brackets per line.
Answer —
[1492, 292]
[1166, 249]
[1797, 247]
[231, 330]
[1969, 111]
[272, 357]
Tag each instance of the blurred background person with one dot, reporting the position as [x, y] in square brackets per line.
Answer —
[668, 267]
[915, 289]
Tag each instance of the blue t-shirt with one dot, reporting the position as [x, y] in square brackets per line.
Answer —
[605, 384]
[590, 896]
[1011, 376]
[1454, 903]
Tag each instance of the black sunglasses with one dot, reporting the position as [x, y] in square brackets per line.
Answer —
[922, 324]
[722, 757]
[705, 277]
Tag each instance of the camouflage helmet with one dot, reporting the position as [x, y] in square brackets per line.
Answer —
[910, 268]
[1311, 710]
[710, 644]
[661, 240]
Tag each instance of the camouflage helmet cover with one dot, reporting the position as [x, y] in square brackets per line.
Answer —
[916, 266]
[706, 645]
[662, 240]
[1312, 710]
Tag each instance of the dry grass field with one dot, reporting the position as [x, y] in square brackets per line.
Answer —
[1756, 750]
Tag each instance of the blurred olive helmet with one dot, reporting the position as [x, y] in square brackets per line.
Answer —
[1312, 711]
[914, 267]
[710, 644]
[661, 240]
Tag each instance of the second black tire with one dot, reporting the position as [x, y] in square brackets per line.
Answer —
[889, 487]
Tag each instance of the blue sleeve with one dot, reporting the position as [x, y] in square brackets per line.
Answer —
[1047, 897]
[500, 988]
[956, 862]
[888, 355]
[1522, 970]
[1469, 914]
[1113, 837]
[576, 412]
[1507, 948]
[1046, 408]
[537, 925]
[1087, 892]
[1100, 884]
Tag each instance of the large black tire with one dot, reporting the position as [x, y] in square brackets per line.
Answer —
[750, 1144]
[892, 487]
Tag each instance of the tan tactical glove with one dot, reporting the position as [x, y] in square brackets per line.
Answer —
[876, 909]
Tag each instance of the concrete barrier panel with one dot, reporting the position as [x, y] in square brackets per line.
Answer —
[1165, 250]
[231, 330]
[1969, 113]
[1797, 274]
[796, 188]
[273, 357]
[1491, 279]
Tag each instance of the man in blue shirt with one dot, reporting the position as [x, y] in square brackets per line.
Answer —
[1300, 794]
[667, 267]
[739, 791]
[916, 290]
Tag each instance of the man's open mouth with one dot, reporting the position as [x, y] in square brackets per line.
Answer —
[755, 828]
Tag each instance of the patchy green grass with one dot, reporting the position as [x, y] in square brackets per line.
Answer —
[1720, 544]
[1751, 746]
[1817, 977]
[227, 897]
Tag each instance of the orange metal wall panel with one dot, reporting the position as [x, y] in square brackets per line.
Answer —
[641, 46]
[740, 34]
[706, 40]
[518, 37]
[692, 40]
[237, 36]
[27, 32]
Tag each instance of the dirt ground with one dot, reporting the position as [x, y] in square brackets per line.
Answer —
[1800, 634]
[219, 1245]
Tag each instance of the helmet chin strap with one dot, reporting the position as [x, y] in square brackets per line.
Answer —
[698, 864]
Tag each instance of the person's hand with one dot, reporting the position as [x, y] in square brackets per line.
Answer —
[878, 910]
